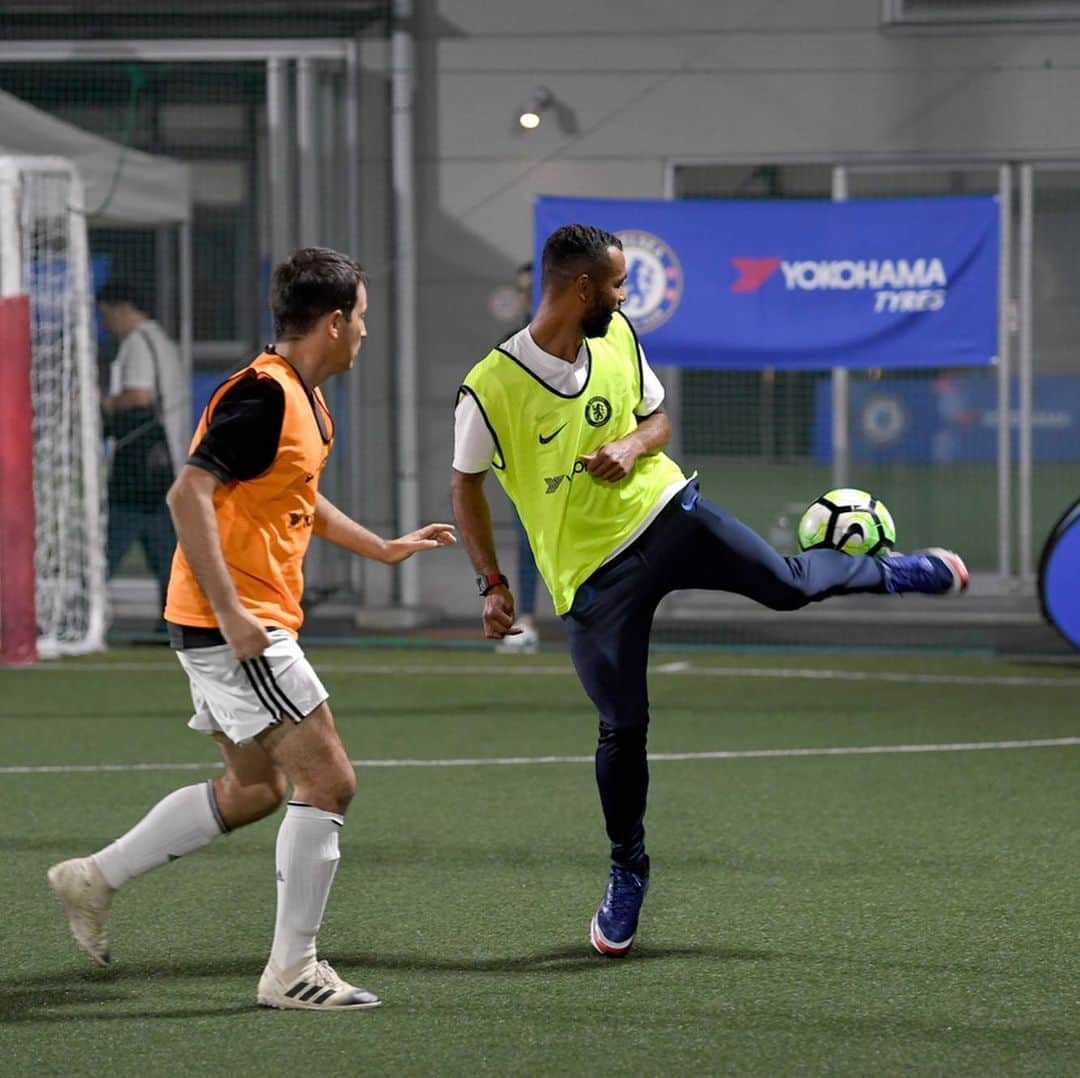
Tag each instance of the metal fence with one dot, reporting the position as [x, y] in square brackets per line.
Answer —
[269, 130]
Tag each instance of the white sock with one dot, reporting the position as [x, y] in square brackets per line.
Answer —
[186, 820]
[307, 858]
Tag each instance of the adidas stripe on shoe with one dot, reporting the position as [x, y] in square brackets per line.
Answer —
[316, 987]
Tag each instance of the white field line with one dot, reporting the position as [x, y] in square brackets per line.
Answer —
[654, 757]
[671, 669]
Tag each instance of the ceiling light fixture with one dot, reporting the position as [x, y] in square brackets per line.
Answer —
[532, 113]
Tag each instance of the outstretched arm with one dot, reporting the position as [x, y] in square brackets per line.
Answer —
[473, 517]
[615, 460]
[335, 527]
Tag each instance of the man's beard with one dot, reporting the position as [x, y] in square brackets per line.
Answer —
[596, 322]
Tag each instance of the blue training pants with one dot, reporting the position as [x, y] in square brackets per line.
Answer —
[693, 543]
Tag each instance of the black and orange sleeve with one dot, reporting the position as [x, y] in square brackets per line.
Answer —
[241, 439]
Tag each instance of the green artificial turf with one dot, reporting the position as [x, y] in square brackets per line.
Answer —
[886, 913]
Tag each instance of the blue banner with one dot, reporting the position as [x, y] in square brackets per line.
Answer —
[949, 419]
[803, 285]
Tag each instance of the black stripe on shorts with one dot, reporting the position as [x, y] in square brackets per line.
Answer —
[275, 716]
[260, 662]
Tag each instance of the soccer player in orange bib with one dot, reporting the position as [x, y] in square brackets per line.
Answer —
[245, 506]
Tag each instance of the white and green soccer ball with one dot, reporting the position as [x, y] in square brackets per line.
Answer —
[853, 521]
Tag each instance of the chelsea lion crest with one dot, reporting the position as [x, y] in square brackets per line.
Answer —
[654, 280]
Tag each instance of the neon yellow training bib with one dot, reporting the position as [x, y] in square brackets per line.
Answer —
[573, 520]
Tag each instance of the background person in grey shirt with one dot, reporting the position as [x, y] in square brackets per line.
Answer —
[145, 414]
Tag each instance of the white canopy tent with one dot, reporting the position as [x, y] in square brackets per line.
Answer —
[148, 191]
[123, 188]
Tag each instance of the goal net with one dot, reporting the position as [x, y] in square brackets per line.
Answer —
[44, 257]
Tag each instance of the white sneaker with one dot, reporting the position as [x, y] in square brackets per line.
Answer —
[315, 988]
[86, 898]
[527, 642]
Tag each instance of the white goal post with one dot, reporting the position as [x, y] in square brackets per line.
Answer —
[44, 258]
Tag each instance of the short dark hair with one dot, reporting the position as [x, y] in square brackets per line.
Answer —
[312, 282]
[121, 290]
[575, 249]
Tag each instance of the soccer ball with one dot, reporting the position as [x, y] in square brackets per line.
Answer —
[853, 521]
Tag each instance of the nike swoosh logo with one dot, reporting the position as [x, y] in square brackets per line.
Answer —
[544, 441]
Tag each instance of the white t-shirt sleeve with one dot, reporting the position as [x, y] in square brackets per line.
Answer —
[474, 447]
[133, 367]
[652, 392]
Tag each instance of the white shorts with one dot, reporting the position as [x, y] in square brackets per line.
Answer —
[240, 700]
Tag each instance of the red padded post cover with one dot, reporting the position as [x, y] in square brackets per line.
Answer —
[18, 622]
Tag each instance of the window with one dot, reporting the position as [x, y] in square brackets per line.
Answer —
[944, 12]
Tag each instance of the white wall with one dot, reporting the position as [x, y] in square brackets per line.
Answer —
[742, 80]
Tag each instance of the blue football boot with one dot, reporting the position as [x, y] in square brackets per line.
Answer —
[932, 572]
[615, 921]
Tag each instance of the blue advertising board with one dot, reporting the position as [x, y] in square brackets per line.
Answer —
[803, 284]
[948, 419]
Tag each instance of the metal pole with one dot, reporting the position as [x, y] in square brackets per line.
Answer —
[277, 130]
[252, 301]
[671, 376]
[1004, 374]
[351, 121]
[329, 200]
[165, 279]
[187, 315]
[89, 423]
[766, 414]
[11, 256]
[1025, 368]
[329, 109]
[357, 506]
[841, 383]
[408, 481]
[170, 50]
[309, 195]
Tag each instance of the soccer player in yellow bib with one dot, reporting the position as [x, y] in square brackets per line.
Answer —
[569, 415]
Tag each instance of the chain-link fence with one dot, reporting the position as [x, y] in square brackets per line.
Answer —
[254, 112]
